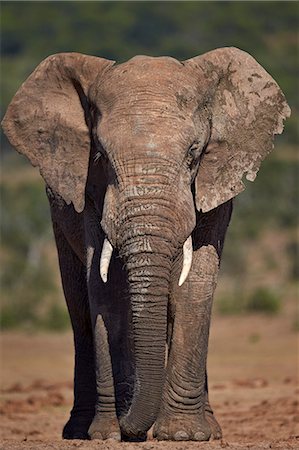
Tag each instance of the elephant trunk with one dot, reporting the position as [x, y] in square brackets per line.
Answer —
[148, 260]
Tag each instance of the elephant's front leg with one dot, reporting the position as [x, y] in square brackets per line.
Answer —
[216, 431]
[185, 412]
[182, 415]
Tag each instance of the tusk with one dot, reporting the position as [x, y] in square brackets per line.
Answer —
[187, 252]
[105, 259]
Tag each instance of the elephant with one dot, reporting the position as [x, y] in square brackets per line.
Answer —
[141, 162]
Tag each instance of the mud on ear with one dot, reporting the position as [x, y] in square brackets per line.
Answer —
[246, 109]
[46, 121]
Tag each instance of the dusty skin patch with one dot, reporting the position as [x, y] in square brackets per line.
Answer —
[253, 389]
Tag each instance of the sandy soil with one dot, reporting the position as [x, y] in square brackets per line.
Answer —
[252, 372]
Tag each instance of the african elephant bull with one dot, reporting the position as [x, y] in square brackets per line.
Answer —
[141, 162]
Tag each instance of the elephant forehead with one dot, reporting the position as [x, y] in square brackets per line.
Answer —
[152, 60]
[147, 80]
[152, 133]
[141, 67]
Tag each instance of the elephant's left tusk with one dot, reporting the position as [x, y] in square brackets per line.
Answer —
[187, 253]
[105, 259]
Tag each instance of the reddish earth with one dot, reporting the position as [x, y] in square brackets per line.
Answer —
[253, 388]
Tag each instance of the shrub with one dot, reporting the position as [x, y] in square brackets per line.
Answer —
[57, 318]
[230, 304]
[263, 300]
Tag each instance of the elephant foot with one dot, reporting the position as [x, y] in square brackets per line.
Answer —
[185, 427]
[76, 428]
[140, 438]
[104, 427]
[216, 432]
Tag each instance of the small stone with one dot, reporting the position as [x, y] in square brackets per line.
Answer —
[224, 444]
[148, 446]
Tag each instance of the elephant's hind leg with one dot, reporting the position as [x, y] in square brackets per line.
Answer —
[73, 274]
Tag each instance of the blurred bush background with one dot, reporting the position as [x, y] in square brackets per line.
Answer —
[260, 262]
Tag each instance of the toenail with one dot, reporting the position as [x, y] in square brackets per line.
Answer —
[96, 435]
[115, 436]
[199, 436]
[162, 437]
[181, 436]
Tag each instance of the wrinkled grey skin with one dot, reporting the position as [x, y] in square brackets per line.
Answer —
[146, 154]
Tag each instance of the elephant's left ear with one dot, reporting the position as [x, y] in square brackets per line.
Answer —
[247, 109]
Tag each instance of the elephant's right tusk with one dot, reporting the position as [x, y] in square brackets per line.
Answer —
[187, 252]
[105, 259]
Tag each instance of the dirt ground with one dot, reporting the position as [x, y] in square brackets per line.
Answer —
[252, 375]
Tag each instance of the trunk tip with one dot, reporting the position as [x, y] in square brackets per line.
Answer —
[130, 433]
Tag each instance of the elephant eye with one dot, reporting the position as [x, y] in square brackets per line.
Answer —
[99, 149]
[97, 157]
[193, 154]
[194, 149]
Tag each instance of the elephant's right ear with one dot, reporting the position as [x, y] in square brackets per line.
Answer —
[46, 121]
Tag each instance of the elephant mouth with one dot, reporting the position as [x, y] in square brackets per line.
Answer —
[107, 251]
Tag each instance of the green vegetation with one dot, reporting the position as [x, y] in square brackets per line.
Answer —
[31, 31]
[119, 30]
[254, 338]
[261, 300]
[295, 325]
[272, 200]
[27, 285]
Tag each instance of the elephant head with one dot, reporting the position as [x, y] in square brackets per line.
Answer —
[171, 137]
